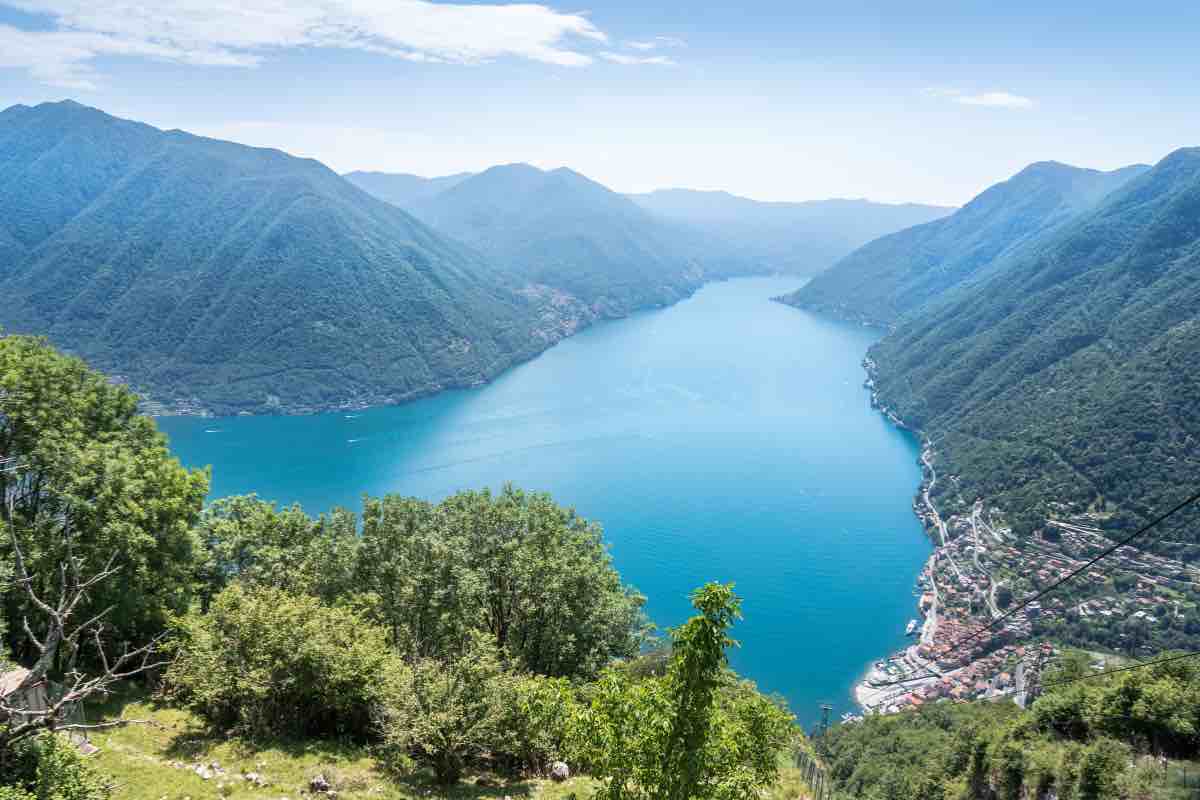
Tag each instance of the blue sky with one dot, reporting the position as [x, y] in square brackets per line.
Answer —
[920, 101]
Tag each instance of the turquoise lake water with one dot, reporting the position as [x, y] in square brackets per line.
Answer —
[725, 438]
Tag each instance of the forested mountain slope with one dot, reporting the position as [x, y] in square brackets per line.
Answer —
[403, 190]
[803, 238]
[900, 273]
[239, 278]
[1070, 381]
[565, 231]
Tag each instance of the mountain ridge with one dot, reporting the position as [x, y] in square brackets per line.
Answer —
[561, 229]
[218, 276]
[802, 237]
[1062, 384]
[897, 274]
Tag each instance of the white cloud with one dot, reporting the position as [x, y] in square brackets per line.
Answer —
[655, 43]
[624, 58]
[997, 99]
[992, 99]
[244, 32]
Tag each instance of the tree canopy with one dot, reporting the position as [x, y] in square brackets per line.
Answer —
[82, 460]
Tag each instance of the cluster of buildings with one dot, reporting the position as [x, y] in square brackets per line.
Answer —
[976, 575]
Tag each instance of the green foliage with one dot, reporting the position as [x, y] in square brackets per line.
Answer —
[691, 734]
[49, 768]
[515, 566]
[266, 663]
[238, 278]
[247, 539]
[1157, 708]
[1103, 763]
[533, 576]
[447, 713]
[941, 744]
[94, 472]
[536, 712]
[1076, 741]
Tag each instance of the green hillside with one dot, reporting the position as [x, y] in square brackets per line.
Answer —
[565, 231]
[1099, 738]
[900, 273]
[235, 278]
[1068, 383]
[801, 238]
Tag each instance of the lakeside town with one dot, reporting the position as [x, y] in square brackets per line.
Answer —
[978, 571]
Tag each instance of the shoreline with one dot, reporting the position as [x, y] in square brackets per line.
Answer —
[152, 406]
[982, 673]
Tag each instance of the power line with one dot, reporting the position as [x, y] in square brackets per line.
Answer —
[1069, 576]
[1091, 675]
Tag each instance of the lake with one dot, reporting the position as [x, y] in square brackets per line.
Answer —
[725, 438]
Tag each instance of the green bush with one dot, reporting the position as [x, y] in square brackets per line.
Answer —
[535, 715]
[1103, 762]
[264, 663]
[444, 715]
[49, 768]
[694, 733]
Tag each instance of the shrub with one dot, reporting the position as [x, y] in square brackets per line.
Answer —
[49, 768]
[535, 713]
[695, 733]
[264, 662]
[446, 714]
[1103, 762]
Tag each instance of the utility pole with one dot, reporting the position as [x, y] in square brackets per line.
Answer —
[825, 711]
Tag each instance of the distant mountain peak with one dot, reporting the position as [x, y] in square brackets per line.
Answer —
[149, 253]
[897, 274]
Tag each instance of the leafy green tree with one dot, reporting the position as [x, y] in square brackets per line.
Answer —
[267, 663]
[530, 574]
[247, 539]
[447, 713]
[694, 733]
[1009, 764]
[1103, 762]
[931, 787]
[89, 470]
[536, 712]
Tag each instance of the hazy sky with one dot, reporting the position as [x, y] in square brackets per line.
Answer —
[921, 101]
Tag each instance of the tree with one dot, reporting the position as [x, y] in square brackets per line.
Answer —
[533, 576]
[536, 712]
[247, 539]
[64, 630]
[695, 733]
[446, 713]
[83, 466]
[267, 663]
[1103, 762]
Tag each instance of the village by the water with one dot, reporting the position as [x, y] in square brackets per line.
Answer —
[978, 572]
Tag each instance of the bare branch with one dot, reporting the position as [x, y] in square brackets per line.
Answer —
[21, 722]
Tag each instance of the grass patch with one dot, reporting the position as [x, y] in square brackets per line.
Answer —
[158, 760]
